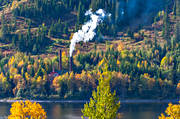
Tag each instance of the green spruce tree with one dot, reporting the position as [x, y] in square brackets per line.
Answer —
[177, 7]
[4, 29]
[166, 27]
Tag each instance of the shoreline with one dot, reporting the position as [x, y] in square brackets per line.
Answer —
[84, 101]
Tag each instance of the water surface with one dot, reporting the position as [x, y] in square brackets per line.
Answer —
[73, 110]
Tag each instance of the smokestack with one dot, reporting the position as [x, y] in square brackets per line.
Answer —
[70, 63]
[87, 32]
[60, 60]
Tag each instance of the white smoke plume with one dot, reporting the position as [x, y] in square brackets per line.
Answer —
[87, 32]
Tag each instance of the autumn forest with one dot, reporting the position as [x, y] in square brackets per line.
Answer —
[134, 51]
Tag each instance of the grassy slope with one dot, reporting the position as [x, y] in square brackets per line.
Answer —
[127, 42]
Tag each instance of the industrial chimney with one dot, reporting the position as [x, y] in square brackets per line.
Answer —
[60, 60]
[70, 63]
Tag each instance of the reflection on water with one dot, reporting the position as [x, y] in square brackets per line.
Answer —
[142, 111]
[73, 110]
[4, 107]
[63, 110]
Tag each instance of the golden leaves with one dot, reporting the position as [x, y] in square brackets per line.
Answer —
[124, 53]
[17, 77]
[118, 62]
[2, 78]
[172, 112]
[161, 13]
[178, 88]
[27, 110]
[11, 61]
[164, 61]
[71, 36]
[77, 76]
[120, 47]
[21, 63]
[142, 64]
[64, 59]
[13, 71]
[101, 62]
[39, 79]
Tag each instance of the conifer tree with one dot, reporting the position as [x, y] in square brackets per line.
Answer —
[174, 8]
[80, 14]
[166, 27]
[177, 32]
[3, 30]
[177, 7]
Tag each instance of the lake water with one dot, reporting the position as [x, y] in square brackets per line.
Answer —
[73, 110]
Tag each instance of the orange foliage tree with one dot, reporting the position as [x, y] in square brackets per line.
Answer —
[172, 112]
[27, 110]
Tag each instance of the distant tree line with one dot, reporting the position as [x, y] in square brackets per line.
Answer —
[152, 73]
